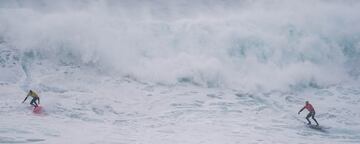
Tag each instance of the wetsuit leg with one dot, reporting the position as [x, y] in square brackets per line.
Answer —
[33, 102]
[313, 117]
[307, 118]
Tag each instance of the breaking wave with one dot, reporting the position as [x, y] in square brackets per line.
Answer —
[249, 44]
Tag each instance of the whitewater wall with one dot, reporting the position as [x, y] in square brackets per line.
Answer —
[275, 44]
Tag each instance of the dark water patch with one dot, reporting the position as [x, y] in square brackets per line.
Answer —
[243, 95]
[222, 104]
[98, 111]
[166, 131]
[318, 128]
[35, 140]
[11, 130]
[292, 99]
[125, 122]
[186, 105]
[214, 96]
[7, 140]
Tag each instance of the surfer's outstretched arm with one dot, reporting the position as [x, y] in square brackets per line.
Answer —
[301, 110]
[25, 98]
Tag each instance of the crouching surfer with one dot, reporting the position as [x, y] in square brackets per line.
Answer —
[311, 114]
[34, 98]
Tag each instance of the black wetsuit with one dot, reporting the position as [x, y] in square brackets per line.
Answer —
[312, 115]
[33, 101]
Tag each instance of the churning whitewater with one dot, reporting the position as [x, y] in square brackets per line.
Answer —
[180, 72]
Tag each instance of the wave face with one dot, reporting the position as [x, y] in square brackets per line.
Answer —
[276, 44]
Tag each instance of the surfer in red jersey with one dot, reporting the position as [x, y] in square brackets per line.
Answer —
[311, 114]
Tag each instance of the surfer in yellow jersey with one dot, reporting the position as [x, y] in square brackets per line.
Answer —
[35, 97]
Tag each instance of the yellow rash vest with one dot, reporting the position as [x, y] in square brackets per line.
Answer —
[32, 94]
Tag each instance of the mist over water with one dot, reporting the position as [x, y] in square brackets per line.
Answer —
[274, 44]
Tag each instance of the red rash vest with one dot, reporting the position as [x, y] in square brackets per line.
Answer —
[309, 107]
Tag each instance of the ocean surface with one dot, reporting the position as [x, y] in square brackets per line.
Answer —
[180, 72]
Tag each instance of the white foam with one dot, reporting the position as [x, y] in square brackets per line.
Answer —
[214, 44]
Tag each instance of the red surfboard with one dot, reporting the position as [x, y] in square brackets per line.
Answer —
[37, 110]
